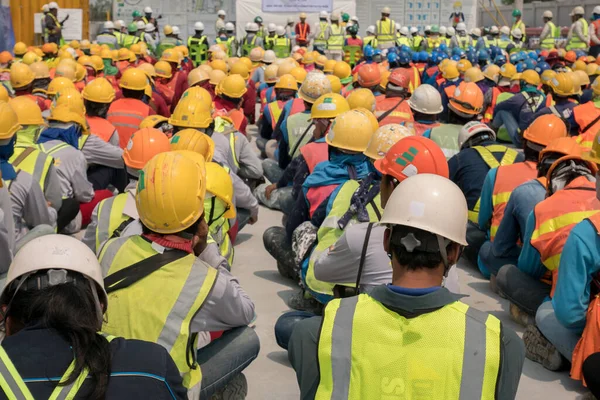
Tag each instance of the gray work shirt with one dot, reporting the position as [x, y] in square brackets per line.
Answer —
[29, 206]
[7, 229]
[242, 195]
[99, 152]
[303, 345]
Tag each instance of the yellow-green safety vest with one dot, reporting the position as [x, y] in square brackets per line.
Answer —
[403, 41]
[367, 351]
[198, 48]
[320, 39]
[176, 292]
[218, 228]
[433, 44]
[490, 42]
[130, 40]
[521, 25]
[33, 161]
[120, 37]
[370, 40]
[220, 126]
[504, 42]
[281, 47]
[298, 125]
[329, 232]
[416, 42]
[464, 42]
[270, 42]
[550, 41]
[446, 136]
[575, 42]
[336, 37]
[248, 46]
[385, 30]
[227, 43]
[111, 218]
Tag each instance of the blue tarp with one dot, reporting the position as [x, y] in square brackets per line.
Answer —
[7, 35]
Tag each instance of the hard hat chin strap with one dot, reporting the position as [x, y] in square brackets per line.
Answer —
[442, 244]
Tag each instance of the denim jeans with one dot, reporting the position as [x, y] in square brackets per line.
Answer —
[521, 289]
[226, 357]
[271, 170]
[285, 326]
[563, 338]
[491, 263]
[510, 123]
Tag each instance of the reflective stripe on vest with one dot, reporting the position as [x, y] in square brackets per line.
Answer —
[198, 49]
[432, 44]
[329, 232]
[53, 150]
[575, 42]
[233, 154]
[504, 42]
[320, 38]
[218, 228]
[520, 25]
[401, 113]
[126, 115]
[336, 37]
[508, 177]
[110, 217]
[464, 42]
[281, 47]
[550, 41]
[403, 41]
[489, 112]
[487, 155]
[352, 54]
[37, 164]
[446, 136]
[385, 30]
[101, 128]
[490, 42]
[586, 140]
[416, 42]
[275, 108]
[370, 40]
[359, 362]
[297, 125]
[160, 307]
[247, 47]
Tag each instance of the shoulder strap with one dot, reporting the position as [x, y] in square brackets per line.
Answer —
[301, 138]
[138, 271]
[363, 256]
[588, 126]
[22, 156]
[388, 112]
[487, 156]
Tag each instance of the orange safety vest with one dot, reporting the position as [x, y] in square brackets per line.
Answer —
[585, 140]
[508, 177]
[557, 215]
[166, 90]
[585, 114]
[79, 86]
[415, 79]
[302, 32]
[489, 112]
[123, 65]
[126, 115]
[275, 107]
[401, 113]
[297, 106]
[101, 128]
[315, 153]
[420, 128]
[39, 101]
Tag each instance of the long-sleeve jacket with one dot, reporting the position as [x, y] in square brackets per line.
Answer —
[29, 206]
[7, 229]
[99, 152]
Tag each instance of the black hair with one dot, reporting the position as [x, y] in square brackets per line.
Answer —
[416, 259]
[544, 165]
[191, 230]
[41, 83]
[133, 94]
[70, 309]
[231, 99]
[94, 109]
[418, 116]
[530, 153]
[454, 118]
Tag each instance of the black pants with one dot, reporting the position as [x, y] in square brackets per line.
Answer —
[101, 176]
[591, 369]
[67, 213]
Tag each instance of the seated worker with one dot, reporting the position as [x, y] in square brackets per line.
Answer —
[270, 77]
[392, 108]
[587, 116]
[21, 81]
[517, 113]
[55, 299]
[502, 181]
[423, 244]
[113, 216]
[242, 68]
[178, 80]
[199, 294]
[426, 105]
[152, 95]
[506, 247]
[451, 80]
[503, 78]
[478, 154]
[570, 199]
[285, 89]
[97, 96]
[230, 93]
[562, 88]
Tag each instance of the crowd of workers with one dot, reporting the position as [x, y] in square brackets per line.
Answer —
[127, 172]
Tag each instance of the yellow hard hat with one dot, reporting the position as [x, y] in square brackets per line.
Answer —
[97, 63]
[66, 71]
[3, 93]
[64, 55]
[197, 75]
[171, 55]
[271, 73]
[450, 72]
[20, 75]
[99, 91]
[183, 50]
[508, 71]
[136, 49]
[246, 61]
[80, 73]
[85, 44]
[474, 74]
[384, 138]
[74, 44]
[256, 54]
[583, 77]
[199, 93]
[531, 77]
[285, 68]
[39, 52]
[19, 48]
[58, 84]
[563, 85]
[350, 131]
[372, 118]
[314, 86]
[205, 67]
[132, 57]
[233, 86]
[241, 69]
[95, 49]
[547, 75]
[342, 70]
[71, 98]
[329, 65]
[191, 112]
[594, 154]
[362, 98]
[40, 70]
[85, 61]
[216, 76]
[28, 112]
[579, 65]
[336, 84]
[9, 122]
[123, 54]
[170, 191]
[168, 30]
[492, 72]
[463, 66]
[329, 106]
[133, 79]
[596, 86]
[194, 140]
[143, 48]
[152, 121]
[299, 74]
[30, 57]
[148, 69]
[321, 59]
[219, 65]
[107, 54]
[63, 113]
[163, 69]
[114, 55]
[309, 58]
[219, 185]
[287, 82]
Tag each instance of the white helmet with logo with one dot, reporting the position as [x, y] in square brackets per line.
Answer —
[472, 129]
[109, 25]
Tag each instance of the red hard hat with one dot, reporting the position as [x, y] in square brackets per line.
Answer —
[400, 77]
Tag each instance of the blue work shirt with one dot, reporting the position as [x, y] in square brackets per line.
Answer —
[445, 98]
[519, 108]
[486, 208]
[586, 96]
[530, 260]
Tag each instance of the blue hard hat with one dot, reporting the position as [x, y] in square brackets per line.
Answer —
[530, 64]
[404, 57]
[521, 67]
[462, 54]
[456, 51]
[483, 55]
[580, 53]
[533, 55]
[415, 57]
[443, 47]
[472, 57]
[368, 51]
[423, 56]
[500, 60]
[392, 57]
[456, 57]
[393, 50]
[541, 58]
[522, 55]
[405, 48]
[377, 52]
[440, 57]
[541, 67]
[514, 58]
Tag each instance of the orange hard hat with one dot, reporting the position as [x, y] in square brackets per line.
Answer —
[563, 146]
[467, 99]
[570, 56]
[5, 57]
[413, 155]
[143, 145]
[545, 129]
[400, 77]
[369, 75]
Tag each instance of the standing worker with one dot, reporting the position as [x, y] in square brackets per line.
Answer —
[198, 45]
[251, 41]
[45, 11]
[335, 40]
[282, 45]
[321, 33]
[302, 30]
[385, 30]
[518, 23]
[595, 32]
[579, 37]
[107, 36]
[220, 23]
[550, 33]
[53, 27]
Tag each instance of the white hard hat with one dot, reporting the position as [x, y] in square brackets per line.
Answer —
[578, 11]
[473, 128]
[176, 30]
[451, 31]
[271, 27]
[517, 33]
[253, 27]
[280, 30]
[221, 13]
[461, 26]
[45, 8]
[386, 10]
[547, 14]
[295, 48]
[505, 30]
[140, 25]
[53, 6]
[443, 30]
[596, 10]
[354, 18]
[371, 29]
[414, 30]
[147, 10]
[404, 31]
[323, 14]
[109, 25]
[427, 28]
[494, 29]
[290, 20]
[269, 56]
[149, 28]
[119, 23]
[426, 100]
[422, 201]
[229, 27]
[335, 16]
[247, 26]
[198, 26]
[476, 32]
[56, 252]
[398, 26]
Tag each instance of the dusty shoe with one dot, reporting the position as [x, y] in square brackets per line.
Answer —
[494, 286]
[540, 350]
[302, 301]
[237, 389]
[520, 316]
[588, 396]
[285, 270]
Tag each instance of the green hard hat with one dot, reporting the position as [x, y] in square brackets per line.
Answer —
[345, 17]
[516, 13]
[258, 20]
[435, 29]
[136, 14]
[132, 28]
[353, 29]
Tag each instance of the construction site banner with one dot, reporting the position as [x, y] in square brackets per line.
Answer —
[296, 6]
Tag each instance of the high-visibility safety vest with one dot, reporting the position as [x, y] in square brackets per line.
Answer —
[464, 42]
[487, 154]
[550, 41]
[227, 43]
[352, 54]
[320, 38]
[585, 114]
[521, 25]
[107, 39]
[403, 41]
[214, 208]
[401, 113]
[165, 302]
[33, 161]
[247, 46]
[575, 42]
[264, 100]
[446, 136]
[129, 40]
[302, 32]
[357, 361]
[329, 232]
[385, 30]
[164, 44]
[370, 40]
[120, 38]
[14, 387]
[336, 37]
[300, 129]
[416, 42]
[433, 44]
[275, 108]
[198, 48]
[557, 215]
[101, 128]
[508, 177]
[504, 42]
[126, 115]
[270, 42]
[586, 140]
[490, 42]
[315, 153]
[281, 47]
[420, 128]
[488, 115]
[111, 218]
[58, 25]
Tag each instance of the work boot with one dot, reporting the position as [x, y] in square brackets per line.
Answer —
[520, 316]
[303, 301]
[540, 350]
[236, 389]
